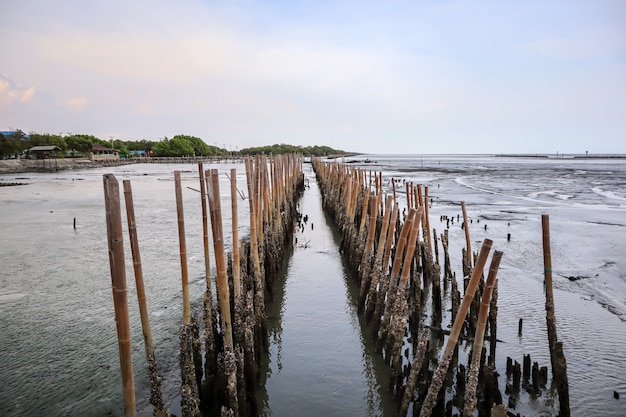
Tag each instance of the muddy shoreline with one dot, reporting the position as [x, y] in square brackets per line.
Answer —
[16, 166]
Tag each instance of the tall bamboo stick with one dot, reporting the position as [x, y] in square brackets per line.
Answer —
[547, 276]
[118, 283]
[156, 398]
[205, 231]
[470, 393]
[440, 374]
[377, 270]
[468, 242]
[235, 229]
[182, 248]
[557, 358]
[213, 184]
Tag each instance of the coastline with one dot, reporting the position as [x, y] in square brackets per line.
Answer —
[16, 166]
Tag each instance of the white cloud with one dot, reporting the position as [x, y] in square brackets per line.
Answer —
[77, 104]
[10, 92]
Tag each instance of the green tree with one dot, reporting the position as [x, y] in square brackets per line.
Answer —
[43, 139]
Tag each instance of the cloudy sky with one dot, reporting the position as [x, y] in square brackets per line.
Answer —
[421, 76]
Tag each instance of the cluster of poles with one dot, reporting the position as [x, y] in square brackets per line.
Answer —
[219, 374]
[395, 259]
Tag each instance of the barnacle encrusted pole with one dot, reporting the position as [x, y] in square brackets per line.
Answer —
[118, 282]
[559, 366]
[440, 373]
[400, 312]
[229, 360]
[470, 393]
[156, 397]
[209, 313]
[190, 402]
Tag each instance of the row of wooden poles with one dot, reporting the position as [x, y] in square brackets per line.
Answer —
[396, 263]
[220, 375]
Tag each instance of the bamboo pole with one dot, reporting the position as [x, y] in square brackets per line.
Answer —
[470, 393]
[389, 240]
[416, 366]
[547, 265]
[156, 397]
[208, 310]
[220, 257]
[468, 242]
[377, 270]
[400, 306]
[366, 200]
[440, 374]
[393, 278]
[182, 248]
[557, 358]
[118, 283]
[235, 229]
[205, 231]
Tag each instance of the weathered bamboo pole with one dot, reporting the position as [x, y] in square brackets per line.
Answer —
[416, 367]
[547, 276]
[368, 254]
[209, 313]
[426, 223]
[205, 229]
[229, 359]
[392, 281]
[557, 358]
[468, 242]
[389, 240]
[470, 393]
[378, 268]
[182, 248]
[189, 389]
[118, 283]
[258, 279]
[156, 397]
[440, 374]
[220, 257]
[400, 309]
[235, 231]
[366, 200]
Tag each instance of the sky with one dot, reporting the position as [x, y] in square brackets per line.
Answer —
[421, 76]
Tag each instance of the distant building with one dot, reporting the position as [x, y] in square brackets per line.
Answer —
[101, 153]
[15, 134]
[43, 151]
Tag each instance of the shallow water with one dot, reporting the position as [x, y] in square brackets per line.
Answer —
[58, 343]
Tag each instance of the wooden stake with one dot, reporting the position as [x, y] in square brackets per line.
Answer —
[118, 282]
[182, 248]
[440, 374]
[220, 258]
[156, 398]
[470, 393]
[235, 229]
[468, 242]
[557, 358]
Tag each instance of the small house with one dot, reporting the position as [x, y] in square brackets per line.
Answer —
[100, 153]
[43, 151]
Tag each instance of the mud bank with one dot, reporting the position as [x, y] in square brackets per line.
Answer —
[14, 166]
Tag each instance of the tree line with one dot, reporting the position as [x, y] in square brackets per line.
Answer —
[76, 145]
